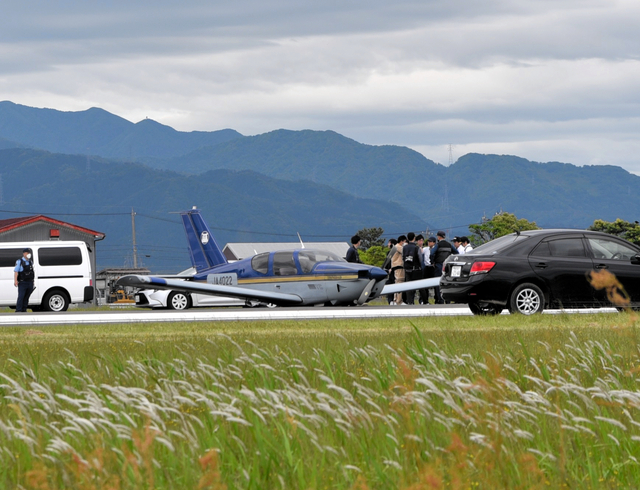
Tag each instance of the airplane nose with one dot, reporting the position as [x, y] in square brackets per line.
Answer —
[377, 273]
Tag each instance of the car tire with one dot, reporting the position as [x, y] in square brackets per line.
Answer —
[178, 300]
[526, 299]
[55, 301]
[485, 309]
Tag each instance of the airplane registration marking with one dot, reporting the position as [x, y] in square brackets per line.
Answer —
[228, 279]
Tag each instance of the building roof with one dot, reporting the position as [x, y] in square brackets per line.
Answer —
[13, 223]
[238, 251]
[123, 271]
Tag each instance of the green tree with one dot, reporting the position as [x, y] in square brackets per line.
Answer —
[501, 224]
[370, 237]
[623, 229]
[374, 255]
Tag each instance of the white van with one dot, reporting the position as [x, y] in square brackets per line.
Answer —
[62, 274]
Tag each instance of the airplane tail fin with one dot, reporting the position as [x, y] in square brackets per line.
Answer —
[203, 249]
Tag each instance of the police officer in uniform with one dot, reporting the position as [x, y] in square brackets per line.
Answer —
[23, 276]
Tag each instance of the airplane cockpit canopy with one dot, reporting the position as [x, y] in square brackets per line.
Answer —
[284, 263]
[309, 258]
[260, 263]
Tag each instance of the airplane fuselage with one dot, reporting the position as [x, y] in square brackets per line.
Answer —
[315, 276]
[286, 277]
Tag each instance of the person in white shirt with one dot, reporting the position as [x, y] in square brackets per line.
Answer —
[457, 242]
[429, 269]
[466, 245]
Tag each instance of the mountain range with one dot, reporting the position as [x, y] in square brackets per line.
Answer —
[93, 167]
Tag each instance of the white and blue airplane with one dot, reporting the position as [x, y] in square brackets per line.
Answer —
[301, 277]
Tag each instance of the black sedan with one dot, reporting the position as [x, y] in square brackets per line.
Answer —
[532, 270]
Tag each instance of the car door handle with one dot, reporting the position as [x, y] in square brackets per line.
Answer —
[602, 266]
[541, 265]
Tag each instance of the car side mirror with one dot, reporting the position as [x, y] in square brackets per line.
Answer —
[635, 259]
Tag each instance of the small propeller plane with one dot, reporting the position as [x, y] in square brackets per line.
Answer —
[301, 277]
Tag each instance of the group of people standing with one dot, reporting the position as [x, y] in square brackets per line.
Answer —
[409, 259]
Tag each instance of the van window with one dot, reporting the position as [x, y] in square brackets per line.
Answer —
[9, 256]
[60, 256]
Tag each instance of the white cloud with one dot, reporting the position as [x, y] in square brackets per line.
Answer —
[546, 80]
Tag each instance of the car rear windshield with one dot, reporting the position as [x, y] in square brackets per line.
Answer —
[499, 244]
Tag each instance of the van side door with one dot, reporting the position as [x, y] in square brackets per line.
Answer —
[8, 291]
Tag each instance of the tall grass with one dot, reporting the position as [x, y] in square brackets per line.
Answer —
[468, 403]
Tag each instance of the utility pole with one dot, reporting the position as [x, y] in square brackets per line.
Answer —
[133, 232]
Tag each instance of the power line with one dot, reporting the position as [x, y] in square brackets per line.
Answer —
[293, 236]
[65, 214]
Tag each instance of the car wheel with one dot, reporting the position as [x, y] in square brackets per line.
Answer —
[55, 301]
[484, 309]
[526, 299]
[178, 300]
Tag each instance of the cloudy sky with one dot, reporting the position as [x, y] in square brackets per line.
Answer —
[548, 80]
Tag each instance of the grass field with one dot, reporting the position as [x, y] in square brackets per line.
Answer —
[550, 401]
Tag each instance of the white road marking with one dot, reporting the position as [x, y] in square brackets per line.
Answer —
[248, 314]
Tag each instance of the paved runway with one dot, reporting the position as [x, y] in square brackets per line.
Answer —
[245, 314]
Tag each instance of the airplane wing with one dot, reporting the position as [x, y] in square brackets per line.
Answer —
[410, 286]
[152, 282]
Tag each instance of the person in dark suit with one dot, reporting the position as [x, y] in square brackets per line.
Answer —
[352, 253]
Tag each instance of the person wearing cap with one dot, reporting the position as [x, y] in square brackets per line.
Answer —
[457, 242]
[428, 265]
[23, 276]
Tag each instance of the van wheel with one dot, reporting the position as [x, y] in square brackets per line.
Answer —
[55, 301]
[526, 299]
[178, 300]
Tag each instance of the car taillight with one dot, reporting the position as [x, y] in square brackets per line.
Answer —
[481, 267]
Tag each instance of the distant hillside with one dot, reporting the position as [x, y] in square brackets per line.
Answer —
[98, 132]
[5, 143]
[552, 194]
[386, 172]
[239, 206]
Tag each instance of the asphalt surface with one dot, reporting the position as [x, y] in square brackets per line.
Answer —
[79, 316]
